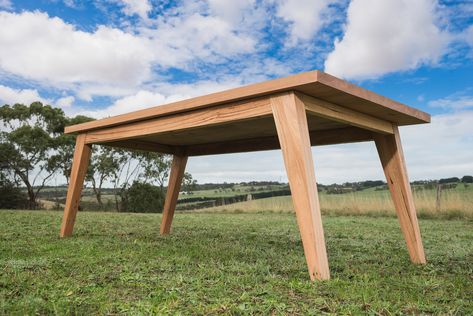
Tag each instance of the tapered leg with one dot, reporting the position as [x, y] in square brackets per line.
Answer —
[175, 178]
[80, 164]
[291, 124]
[392, 158]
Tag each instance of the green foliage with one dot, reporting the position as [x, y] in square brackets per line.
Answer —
[467, 179]
[143, 198]
[64, 147]
[104, 165]
[33, 145]
[156, 167]
[28, 143]
[230, 264]
[449, 180]
[189, 184]
[34, 148]
[11, 196]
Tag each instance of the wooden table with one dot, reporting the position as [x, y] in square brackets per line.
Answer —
[292, 113]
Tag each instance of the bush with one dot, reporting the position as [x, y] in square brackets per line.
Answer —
[143, 198]
[11, 196]
[467, 179]
[449, 180]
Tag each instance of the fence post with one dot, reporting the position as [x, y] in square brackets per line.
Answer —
[439, 193]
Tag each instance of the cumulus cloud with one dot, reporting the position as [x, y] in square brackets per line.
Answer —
[162, 93]
[453, 102]
[467, 36]
[386, 36]
[65, 102]
[230, 11]
[52, 52]
[182, 39]
[141, 100]
[305, 17]
[442, 148]
[24, 96]
[70, 3]
[138, 7]
[39, 47]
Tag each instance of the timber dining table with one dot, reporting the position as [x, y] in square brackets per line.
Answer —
[291, 114]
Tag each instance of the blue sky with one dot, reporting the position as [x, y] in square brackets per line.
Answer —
[103, 58]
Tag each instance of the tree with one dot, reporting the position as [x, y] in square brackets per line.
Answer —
[143, 197]
[188, 183]
[65, 147]
[105, 164]
[128, 172]
[467, 179]
[155, 167]
[140, 167]
[449, 180]
[28, 142]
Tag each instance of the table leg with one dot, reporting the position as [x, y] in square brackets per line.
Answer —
[175, 178]
[392, 159]
[80, 164]
[291, 124]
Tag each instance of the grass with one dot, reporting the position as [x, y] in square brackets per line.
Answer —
[117, 263]
[455, 203]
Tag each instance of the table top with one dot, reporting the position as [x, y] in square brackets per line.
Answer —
[314, 83]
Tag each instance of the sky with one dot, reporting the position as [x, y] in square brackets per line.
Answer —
[103, 58]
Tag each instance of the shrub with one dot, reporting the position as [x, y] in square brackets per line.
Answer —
[449, 180]
[11, 196]
[143, 198]
[467, 179]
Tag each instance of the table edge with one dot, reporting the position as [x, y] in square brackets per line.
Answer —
[248, 92]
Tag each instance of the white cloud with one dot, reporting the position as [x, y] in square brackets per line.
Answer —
[47, 49]
[455, 102]
[387, 36]
[70, 3]
[65, 102]
[6, 4]
[24, 96]
[179, 40]
[142, 99]
[467, 36]
[305, 17]
[138, 7]
[231, 11]
[442, 148]
[53, 53]
[145, 98]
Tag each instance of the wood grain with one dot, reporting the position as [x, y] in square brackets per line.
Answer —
[185, 121]
[80, 164]
[175, 179]
[340, 114]
[394, 166]
[291, 123]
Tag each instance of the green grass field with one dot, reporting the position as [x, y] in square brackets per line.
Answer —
[117, 263]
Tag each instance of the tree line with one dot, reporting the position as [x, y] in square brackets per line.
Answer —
[34, 150]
